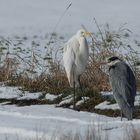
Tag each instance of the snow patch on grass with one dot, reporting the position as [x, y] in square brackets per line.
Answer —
[107, 105]
[51, 97]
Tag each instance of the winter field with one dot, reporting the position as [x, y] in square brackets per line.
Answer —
[48, 122]
[32, 36]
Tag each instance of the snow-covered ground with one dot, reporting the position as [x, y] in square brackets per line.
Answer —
[28, 18]
[48, 121]
[108, 105]
[14, 93]
[45, 121]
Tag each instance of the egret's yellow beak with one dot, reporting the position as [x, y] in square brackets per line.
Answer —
[88, 33]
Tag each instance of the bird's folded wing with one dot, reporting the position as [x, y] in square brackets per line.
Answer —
[126, 89]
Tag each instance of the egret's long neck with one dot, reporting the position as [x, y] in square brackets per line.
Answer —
[83, 46]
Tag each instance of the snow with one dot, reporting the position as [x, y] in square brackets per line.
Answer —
[106, 93]
[51, 97]
[9, 92]
[14, 92]
[44, 120]
[39, 17]
[66, 101]
[82, 101]
[28, 96]
[107, 105]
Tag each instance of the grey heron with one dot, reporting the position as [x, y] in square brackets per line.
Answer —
[75, 58]
[123, 84]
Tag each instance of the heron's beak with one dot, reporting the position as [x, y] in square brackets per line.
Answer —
[88, 33]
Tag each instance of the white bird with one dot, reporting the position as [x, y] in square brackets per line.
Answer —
[75, 58]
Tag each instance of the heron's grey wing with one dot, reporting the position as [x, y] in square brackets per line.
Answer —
[124, 83]
[124, 88]
[131, 82]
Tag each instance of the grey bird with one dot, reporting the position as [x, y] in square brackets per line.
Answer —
[123, 85]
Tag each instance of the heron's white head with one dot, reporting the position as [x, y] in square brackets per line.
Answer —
[111, 61]
[83, 33]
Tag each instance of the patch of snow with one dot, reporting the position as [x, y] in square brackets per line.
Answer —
[4, 103]
[66, 101]
[79, 102]
[51, 97]
[137, 100]
[14, 92]
[28, 96]
[9, 92]
[82, 101]
[106, 93]
[107, 105]
[85, 98]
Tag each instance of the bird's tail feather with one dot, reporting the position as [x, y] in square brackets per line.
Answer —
[72, 75]
[126, 109]
[73, 78]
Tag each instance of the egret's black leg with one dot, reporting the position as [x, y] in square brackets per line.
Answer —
[74, 95]
[80, 83]
[131, 117]
[81, 88]
[121, 115]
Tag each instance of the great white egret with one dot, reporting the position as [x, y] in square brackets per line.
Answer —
[75, 58]
[123, 84]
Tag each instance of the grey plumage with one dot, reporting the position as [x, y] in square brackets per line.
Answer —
[123, 84]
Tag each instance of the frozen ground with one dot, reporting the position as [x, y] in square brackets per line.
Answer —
[15, 93]
[107, 105]
[45, 121]
[28, 18]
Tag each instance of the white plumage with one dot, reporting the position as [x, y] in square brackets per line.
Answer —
[75, 57]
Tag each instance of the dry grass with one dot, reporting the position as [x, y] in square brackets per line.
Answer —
[18, 70]
[105, 43]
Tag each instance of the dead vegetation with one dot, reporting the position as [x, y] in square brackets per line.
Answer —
[16, 69]
[33, 71]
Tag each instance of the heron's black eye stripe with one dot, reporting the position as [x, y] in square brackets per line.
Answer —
[113, 58]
